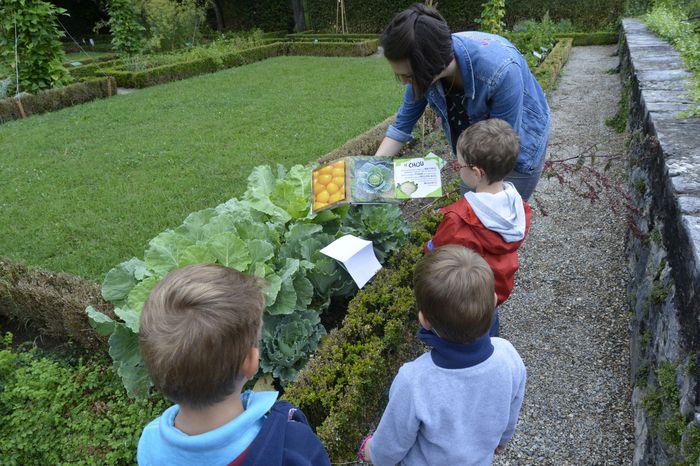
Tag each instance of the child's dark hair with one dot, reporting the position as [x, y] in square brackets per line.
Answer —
[491, 145]
[420, 35]
[454, 290]
[196, 328]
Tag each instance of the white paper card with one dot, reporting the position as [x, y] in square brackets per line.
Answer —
[356, 255]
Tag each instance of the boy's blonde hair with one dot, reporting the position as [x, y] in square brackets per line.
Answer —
[454, 289]
[196, 328]
[491, 145]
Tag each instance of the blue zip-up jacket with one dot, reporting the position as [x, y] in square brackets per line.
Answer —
[268, 432]
[497, 84]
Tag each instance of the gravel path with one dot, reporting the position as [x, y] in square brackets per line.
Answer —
[568, 315]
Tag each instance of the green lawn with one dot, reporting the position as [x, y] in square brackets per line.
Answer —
[86, 187]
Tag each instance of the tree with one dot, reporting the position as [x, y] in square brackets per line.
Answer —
[298, 12]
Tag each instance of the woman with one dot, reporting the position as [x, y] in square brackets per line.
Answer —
[465, 77]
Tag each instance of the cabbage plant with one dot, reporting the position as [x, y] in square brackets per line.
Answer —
[270, 232]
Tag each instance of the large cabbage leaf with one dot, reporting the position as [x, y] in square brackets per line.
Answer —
[271, 233]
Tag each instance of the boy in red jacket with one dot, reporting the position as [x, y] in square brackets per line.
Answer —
[492, 219]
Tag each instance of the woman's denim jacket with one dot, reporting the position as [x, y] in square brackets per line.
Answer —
[497, 84]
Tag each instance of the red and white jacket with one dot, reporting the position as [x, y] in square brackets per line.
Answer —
[462, 226]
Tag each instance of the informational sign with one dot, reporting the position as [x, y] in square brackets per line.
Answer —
[372, 179]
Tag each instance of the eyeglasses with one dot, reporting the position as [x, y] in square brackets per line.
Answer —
[457, 165]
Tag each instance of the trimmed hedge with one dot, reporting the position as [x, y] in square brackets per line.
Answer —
[343, 387]
[176, 71]
[87, 61]
[373, 16]
[333, 49]
[333, 37]
[51, 303]
[590, 38]
[56, 99]
[548, 72]
[88, 70]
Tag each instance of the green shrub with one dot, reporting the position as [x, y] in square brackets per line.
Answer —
[56, 412]
[536, 40]
[590, 38]
[492, 13]
[215, 62]
[214, 50]
[373, 16]
[268, 15]
[127, 31]
[40, 55]
[172, 25]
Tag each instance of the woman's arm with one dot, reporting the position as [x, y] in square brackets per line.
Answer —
[389, 147]
[399, 132]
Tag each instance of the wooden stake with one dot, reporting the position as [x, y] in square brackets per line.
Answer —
[21, 108]
[109, 86]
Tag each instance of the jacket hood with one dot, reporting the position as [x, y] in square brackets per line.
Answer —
[491, 241]
[503, 212]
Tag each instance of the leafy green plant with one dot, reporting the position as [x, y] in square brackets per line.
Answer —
[58, 410]
[214, 50]
[127, 32]
[31, 27]
[269, 232]
[535, 39]
[4, 86]
[492, 14]
[670, 21]
[287, 340]
[172, 24]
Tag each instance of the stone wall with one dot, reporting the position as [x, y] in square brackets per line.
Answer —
[664, 250]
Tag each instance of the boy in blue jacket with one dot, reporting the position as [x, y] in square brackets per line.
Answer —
[459, 403]
[199, 333]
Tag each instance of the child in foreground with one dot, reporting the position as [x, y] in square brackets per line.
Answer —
[199, 333]
[459, 403]
[492, 219]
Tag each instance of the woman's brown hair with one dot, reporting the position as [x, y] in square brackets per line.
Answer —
[420, 35]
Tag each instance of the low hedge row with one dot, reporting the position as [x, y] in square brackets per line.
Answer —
[176, 71]
[51, 304]
[548, 72]
[333, 49]
[328, 36]
[343, 387]
[590, 38]
[56, 99]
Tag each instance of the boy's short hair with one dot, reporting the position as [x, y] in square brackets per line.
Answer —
[491, 145]
[454, 289]
[196, 328]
